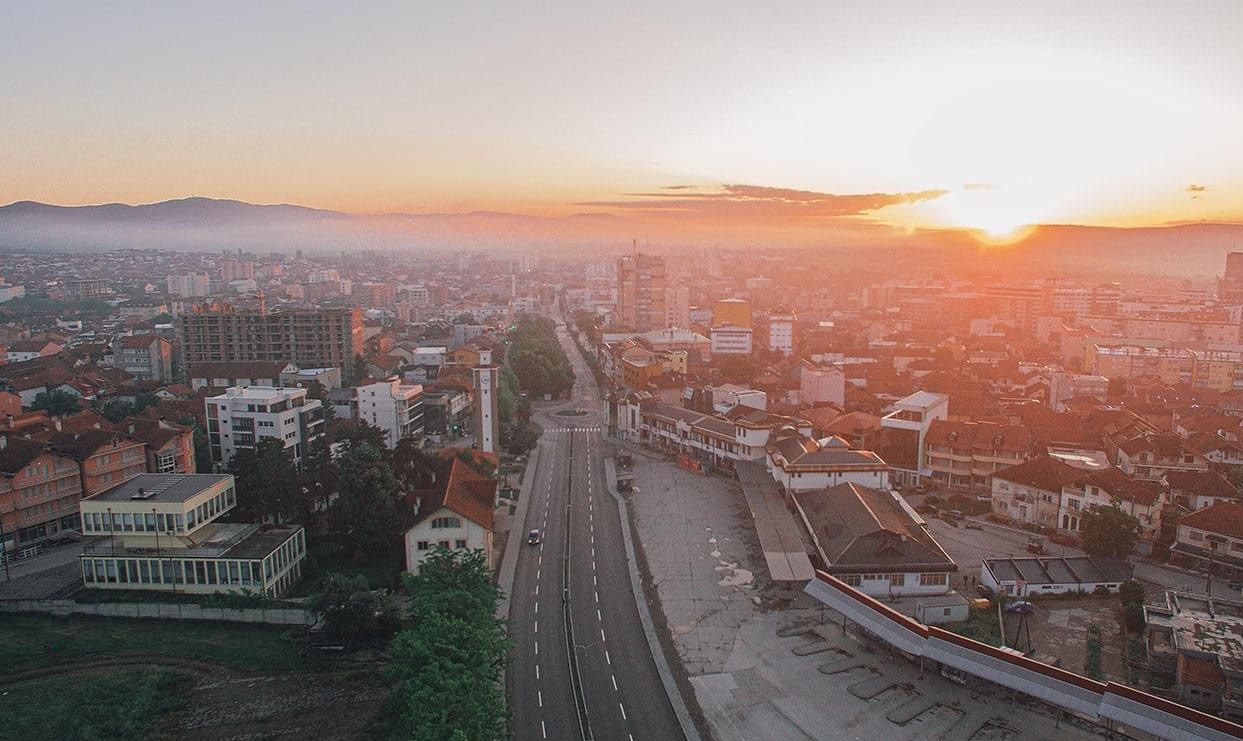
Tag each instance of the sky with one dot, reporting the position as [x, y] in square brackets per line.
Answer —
[987, 116]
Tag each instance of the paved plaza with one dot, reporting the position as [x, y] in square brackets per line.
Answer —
[766, 661]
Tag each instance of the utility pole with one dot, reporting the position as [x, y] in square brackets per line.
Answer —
[4, 550]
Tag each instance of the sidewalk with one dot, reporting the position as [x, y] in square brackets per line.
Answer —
[509, 559]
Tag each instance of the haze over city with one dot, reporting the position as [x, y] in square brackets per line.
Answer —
[809, 120]
[411, 371]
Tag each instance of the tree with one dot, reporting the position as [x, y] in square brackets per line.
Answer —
[1131, 592]
[369, 511]
[449, 667]
[354, 433]
[354, 612]
[358, 369]
[412, 466]
[1133, 617]
[1108, 531]
[266, 482]
[56, 403]
[203, 462]
[317, 481]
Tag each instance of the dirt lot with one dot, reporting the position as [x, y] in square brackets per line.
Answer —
[1059, 628]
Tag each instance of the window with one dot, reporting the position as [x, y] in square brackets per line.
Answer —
[423, 545]
[933, 580]
[443, 544]
[897, 580]
[445, 522]
[1197, 535]
[852, 580]
[460, 543]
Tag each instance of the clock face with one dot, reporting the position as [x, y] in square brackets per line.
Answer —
[485, 380]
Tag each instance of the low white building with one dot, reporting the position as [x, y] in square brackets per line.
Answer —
[242, 416]
[781, 333]
[392, 406]
[161, 532]
[457, 515]
[1024, 577]
[873, 541]
[801, 463]
[821, 383]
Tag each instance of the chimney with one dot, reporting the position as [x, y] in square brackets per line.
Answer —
[56, 423]
[131, 428]
[4, 441]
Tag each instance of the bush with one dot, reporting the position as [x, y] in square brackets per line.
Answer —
[1131, 592]
[1133, 617]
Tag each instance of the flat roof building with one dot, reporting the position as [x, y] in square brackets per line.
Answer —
[160, 532]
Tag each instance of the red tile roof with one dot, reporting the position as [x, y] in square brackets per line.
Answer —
[465, 492]
[1223, 518]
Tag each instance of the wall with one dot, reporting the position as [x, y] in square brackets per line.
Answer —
[161, 611]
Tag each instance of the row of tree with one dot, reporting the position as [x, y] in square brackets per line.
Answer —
[537, 358]
[448, 666]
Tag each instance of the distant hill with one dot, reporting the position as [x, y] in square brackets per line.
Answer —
[206, 223]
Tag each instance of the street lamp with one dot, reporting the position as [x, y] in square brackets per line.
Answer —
[4, 550]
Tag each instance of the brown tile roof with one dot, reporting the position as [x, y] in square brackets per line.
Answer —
[1205, 483]
[981, 435]
[859, 527]
[82, 445]
[1120, 486]
[465, 492]
[1043, 472]
[1224, 518]
[154, 432]
[18, 453]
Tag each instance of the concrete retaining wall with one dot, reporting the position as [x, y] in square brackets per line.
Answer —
[166, 611]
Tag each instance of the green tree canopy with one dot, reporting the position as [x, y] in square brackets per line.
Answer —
[449, 666]
[354, 612]
[1108, 531]
[369, 511]
[266, 482]
[56, 403]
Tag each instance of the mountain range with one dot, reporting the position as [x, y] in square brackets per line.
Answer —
[206, 223]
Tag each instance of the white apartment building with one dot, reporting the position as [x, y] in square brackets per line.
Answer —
[242, 415]
[190, 285]
[393, 406]
[802, 463]
[730, 340]
[457, 515]
[910, 419]
[781, 333]
[820, 383]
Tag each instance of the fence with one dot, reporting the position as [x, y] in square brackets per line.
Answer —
[170, 611]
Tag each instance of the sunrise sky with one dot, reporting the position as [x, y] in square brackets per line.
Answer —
[938, 114]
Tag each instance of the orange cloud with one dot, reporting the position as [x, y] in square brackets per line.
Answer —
[757, 203]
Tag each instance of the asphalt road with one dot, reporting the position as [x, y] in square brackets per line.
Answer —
[581, 666]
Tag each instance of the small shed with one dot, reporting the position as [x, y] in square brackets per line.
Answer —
[942, 608]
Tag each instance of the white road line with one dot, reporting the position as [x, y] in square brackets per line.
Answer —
[597, 596]
[537, 573]
[623, 709]
[607, 660]
[537, 648]
[536, 590]
[612, 677]
[539, 697]
[602, 634]
[629, 737]
[537, 607]
[544, 731]
[593, 581]
[537, 671]
[536, 627]
[598, 615]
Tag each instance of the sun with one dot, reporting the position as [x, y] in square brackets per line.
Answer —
[993, 214]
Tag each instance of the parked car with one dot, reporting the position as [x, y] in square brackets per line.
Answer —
[1022, 607]
[534, 537]
[1237, 584]
[1035, 544]
[972, 525]
[954, 513]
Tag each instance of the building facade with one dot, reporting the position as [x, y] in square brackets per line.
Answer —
[146, 357]
[641, 285]
[160, 532]
[393, 406]
[309, 338]
[239, 418]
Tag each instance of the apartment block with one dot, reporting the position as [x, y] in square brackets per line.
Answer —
[309, 338]
[641, 284]
[393, 406]
[146, 357]
[240, 417]
[39, 493]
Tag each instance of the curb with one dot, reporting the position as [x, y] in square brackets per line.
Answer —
[509, 562]
[689, 731]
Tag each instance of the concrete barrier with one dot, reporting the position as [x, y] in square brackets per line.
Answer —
[160, 611]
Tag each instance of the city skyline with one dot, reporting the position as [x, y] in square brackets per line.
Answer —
[808, 119]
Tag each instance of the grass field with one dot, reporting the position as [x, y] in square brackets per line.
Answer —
[33, 641]
[113, 705]
[981, 625]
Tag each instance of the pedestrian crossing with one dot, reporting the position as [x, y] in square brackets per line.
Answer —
[574, 429]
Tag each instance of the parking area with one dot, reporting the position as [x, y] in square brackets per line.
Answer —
[1059, 628]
